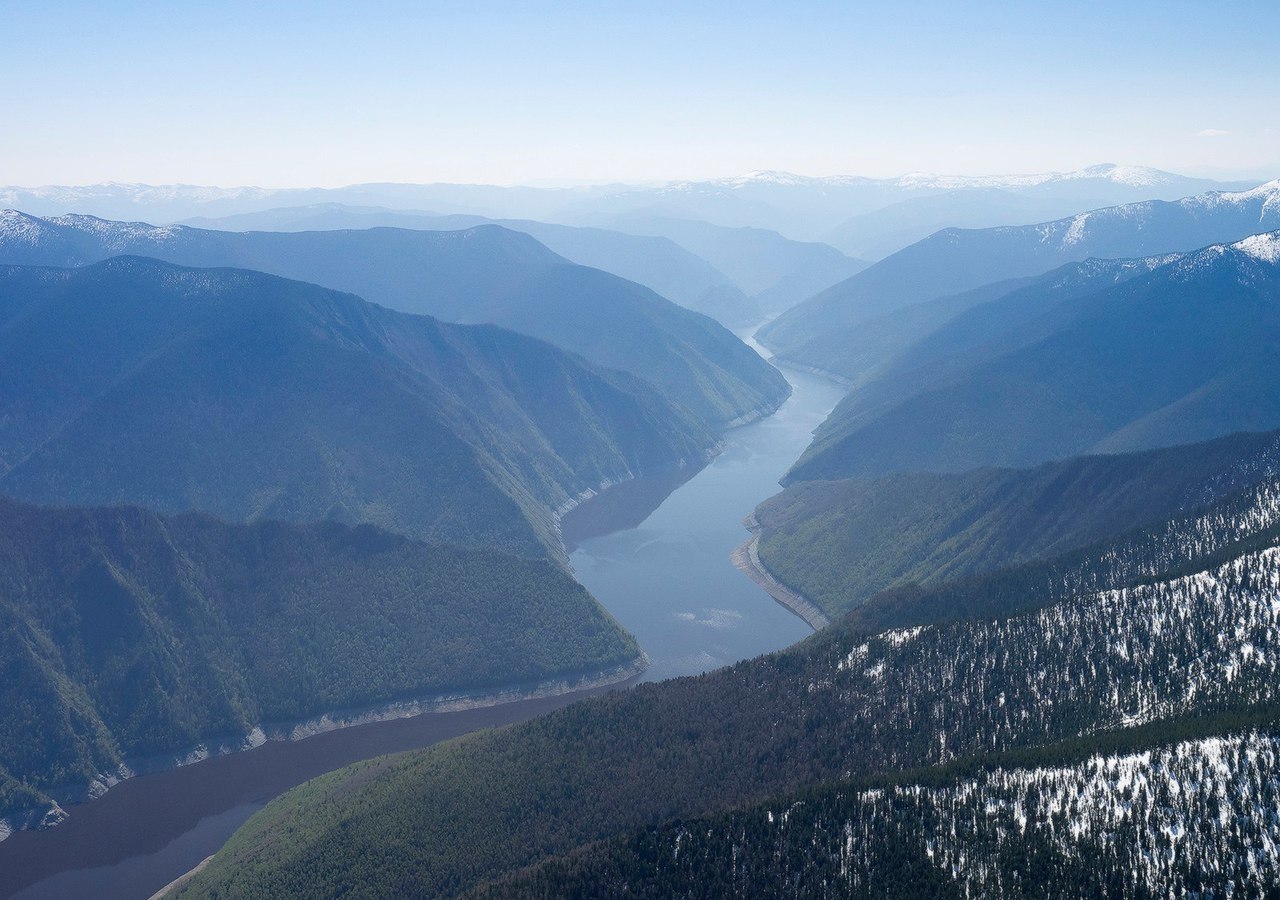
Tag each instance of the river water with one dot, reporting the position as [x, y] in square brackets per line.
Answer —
[663, 571]
[669, 580]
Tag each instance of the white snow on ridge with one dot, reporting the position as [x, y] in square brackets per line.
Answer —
[1265, 247]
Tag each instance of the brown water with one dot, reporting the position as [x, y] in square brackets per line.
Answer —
[147, 831]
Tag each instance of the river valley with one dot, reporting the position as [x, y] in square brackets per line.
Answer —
[656, 554]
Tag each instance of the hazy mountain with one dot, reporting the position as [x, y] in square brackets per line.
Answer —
[485, 274]
[838, 543]
[1164, 649]
[808, 208]
[802, 207]
[655, 262]
[957, 260]
[129, 639]
[776, 271]
[251, 397]
[1184, 352]
[874, 235]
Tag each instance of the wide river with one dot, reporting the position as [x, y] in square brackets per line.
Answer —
[659, 561]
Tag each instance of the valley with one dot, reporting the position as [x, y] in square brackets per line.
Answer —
[668, 581]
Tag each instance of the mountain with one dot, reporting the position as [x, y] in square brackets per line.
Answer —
[1188, 645]
[1181, 353]
[776, 271]
[131, 641]
[659, 264]
[249, 396]
[479, 275]
[956, 260]
[802, 207]
[809, 208]
[839, 543]
[876, 234]
[1049, 823]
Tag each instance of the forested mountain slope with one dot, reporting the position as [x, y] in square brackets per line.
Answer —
[957, 260]
[480, 275]
[839, 542]
[1181, 353]
[843, 704]
[249, 396]
[1154, 820]
[129, 639]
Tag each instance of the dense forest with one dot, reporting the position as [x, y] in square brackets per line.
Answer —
[1149, 647]
[1191, 818]
[130, 639]
[838, 543]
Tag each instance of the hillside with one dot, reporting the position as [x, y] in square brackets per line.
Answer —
[1180, 353]
[480, 275]
[1052, 825]
[1143, 648]
[249, 396]
[655, 262]
[130, 638]
[956, 260]
[838, 543]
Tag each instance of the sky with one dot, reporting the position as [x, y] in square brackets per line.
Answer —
[290, 94]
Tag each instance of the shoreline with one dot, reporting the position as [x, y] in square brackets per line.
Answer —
[50, 816]
[746, 558]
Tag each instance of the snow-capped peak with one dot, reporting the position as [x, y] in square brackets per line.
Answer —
[1264, 247]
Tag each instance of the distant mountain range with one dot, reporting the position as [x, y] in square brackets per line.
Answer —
[818, 331]
[251, 397]
[800, 207]
[132, 641]
[484, 274]
[655, 262]
[1182, 352]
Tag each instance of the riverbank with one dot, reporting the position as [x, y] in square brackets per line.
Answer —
[746, 558]
[149, 830]
[90, 791]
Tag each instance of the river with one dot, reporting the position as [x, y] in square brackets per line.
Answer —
[665, 575]
[669, 580]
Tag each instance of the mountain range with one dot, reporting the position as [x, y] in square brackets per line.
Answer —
[250, 396]
[816, 332]
[1178, 352]
[800, 207]
[480, 275]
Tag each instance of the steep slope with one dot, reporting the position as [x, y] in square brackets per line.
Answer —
[957, 260]
[480, 275]
[128, 639]
[1140, 649]
[1146, 818]
[1184, 352]
[837, 543]
[655, 262]
[250, 396]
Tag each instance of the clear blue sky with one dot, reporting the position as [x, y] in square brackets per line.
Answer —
[319, 93]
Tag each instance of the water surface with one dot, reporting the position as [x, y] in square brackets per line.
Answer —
[669, 580]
